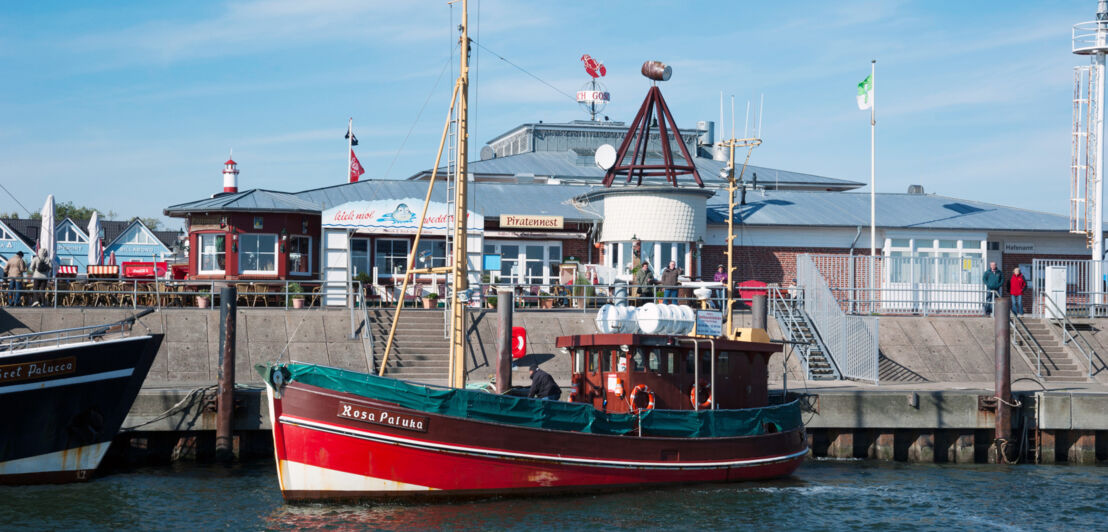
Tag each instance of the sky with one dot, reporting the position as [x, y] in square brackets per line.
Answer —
[133, 106]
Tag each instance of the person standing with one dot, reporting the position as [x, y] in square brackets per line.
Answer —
[14, 270]
[543, 385]
[994, 280]
[720, 277]
[40, 272]
[643, 279]
[669, 283]
[1016, 286]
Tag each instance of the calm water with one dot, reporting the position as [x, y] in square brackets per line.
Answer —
[823, 495]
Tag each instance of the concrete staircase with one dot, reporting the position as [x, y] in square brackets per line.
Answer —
[798, 328]
[1058, 364]
[420, 352]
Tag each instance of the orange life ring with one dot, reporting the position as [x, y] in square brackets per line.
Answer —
[635, 394]
[707, 402]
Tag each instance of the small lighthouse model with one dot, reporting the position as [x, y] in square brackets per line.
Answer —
[230, 176]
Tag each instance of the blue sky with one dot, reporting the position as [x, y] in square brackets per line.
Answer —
[133, 106]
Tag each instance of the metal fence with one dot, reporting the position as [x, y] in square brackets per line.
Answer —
[851, 341]
[1085, 291]
[905, 285]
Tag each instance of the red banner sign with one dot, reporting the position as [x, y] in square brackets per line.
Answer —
[142, 270]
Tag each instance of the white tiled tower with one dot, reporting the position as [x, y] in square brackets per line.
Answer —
[230, 176]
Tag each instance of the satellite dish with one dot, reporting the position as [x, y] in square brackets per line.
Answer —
[605, 156]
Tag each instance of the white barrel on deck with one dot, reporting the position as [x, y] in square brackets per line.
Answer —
[665, 319]
[616, 319]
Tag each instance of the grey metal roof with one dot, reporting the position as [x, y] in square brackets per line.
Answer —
[253, 200]
[489, 199]
[565, 166]
[907, 211]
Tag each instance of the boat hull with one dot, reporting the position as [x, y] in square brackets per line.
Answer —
[63, 405]
[325, 449]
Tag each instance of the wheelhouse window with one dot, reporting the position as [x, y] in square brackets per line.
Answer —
[300, 255]
[213, 253]
[257, 253]
[390, 256]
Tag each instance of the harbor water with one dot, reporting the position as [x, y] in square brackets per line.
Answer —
[822, 495]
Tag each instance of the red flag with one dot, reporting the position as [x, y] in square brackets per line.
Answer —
[355, 167]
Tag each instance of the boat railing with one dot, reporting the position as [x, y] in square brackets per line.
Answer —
[586, 297]
[60, 337]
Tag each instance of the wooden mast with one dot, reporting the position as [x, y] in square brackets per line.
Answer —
[733, 184]
[460, 270]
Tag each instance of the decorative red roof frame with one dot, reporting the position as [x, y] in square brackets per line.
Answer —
[654, 106]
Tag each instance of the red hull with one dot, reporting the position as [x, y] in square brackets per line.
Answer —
[322, 455]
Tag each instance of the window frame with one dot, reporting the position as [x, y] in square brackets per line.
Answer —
[200, 252]
[242, 252]
[290, 252]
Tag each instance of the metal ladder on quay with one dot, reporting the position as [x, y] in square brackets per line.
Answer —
[801, 333]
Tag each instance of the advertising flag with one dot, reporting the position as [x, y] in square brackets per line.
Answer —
[355, 167]
[865, 93]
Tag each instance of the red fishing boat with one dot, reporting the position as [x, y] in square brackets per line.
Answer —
[633, 421]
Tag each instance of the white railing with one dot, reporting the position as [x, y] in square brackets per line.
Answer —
[906, 285]
[851, 341]
[1085, 287]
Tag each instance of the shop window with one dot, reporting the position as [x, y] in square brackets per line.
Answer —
[390, 256]
[213, 253]
[359, 256]
[534, 263]
[509, 263]
[258, 253]
[431, 254]
[300, 255]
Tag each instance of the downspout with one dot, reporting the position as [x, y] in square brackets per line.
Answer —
[853, 292]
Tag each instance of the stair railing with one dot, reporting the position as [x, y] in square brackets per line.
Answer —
[1070, 334]
[1026, 340]
[792, 321]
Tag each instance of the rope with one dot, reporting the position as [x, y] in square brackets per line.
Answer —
[521, 69]
[1017, 404]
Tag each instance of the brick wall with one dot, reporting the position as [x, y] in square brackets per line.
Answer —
[769, 265]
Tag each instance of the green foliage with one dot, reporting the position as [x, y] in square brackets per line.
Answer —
[363, 278]
[152, 223]
[295, 288]
[67, 209]
[432, 296]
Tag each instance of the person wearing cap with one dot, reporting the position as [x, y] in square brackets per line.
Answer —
[543, 385]
[13, 270]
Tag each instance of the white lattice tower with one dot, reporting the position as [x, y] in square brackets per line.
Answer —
[1083, 168]
[1091, 39]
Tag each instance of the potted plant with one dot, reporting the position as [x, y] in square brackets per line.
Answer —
[490, 301]
[430, 300]
[546, 299]
[296, 293]
[203, 297]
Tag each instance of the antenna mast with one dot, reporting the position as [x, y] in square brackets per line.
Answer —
[1087, 168]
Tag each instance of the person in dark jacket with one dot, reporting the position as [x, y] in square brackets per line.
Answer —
[994, 280]
[669, 283]
[543, 385]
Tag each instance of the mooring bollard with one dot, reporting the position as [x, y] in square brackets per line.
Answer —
[758, 312]
[504, 306]
[225, 401]
[1002, 443]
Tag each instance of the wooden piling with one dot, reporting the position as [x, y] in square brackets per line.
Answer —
[225, 400]
[504, 306]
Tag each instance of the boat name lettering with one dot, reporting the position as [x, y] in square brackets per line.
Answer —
[382, 417]
[35, 370]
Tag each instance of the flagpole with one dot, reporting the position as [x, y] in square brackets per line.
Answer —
[873, 181]
[349, 148]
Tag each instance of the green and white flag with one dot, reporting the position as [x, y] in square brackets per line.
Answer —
[865, 93]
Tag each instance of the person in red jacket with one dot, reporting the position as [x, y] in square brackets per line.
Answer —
[1016, 286]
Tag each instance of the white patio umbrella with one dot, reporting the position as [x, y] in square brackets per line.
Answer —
[94, 239]
[46, 238]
